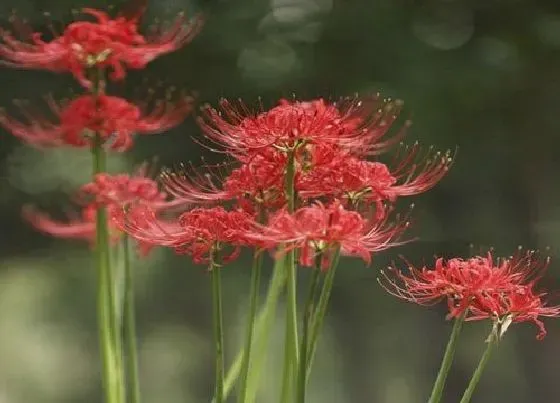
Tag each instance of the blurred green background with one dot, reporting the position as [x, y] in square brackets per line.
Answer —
[480, 75]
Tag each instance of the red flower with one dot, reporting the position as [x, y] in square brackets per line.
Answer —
[353, 125]
[199, 232]
[478, 287]
[320, 229]
[349, 177]
[105, 43]
[110, 191]
[357, 179]
[259, 181]
[123, 189]
[518, 304]
[113, 118]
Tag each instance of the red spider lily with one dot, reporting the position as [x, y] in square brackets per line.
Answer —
[320, 229]
[478, 288]
[259, 181]
[357, 179]
[123, 189]
[518, 304]
[104, 43]
[113, 118]
[199, 233]
[110, 191]
[349, 177]
[352, 124]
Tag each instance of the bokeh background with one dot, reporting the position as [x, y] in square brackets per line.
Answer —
[479, 75]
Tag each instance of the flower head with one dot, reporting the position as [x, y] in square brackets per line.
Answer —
[478, 288]
[113, 192]
[258, 181]
[199, 233]
[351, 178]
[358, 179]
[114, 119]
[319, 229]
[105, 43]
[352, 125]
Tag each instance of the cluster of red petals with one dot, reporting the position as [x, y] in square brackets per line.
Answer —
[114, 119]
[319, 229]
[358, 179]
[105, 43]
[260, 181]
[334, 182]
[350, 177]
[114, 192]
[199, 232]
[330, 143]
[478, 288]
[354, 125]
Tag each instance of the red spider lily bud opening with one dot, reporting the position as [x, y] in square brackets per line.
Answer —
[113, 118]
[479, 288]
[113, 43]
[197, 233]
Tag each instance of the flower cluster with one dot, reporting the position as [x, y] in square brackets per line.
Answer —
[318, 228]
[112, 192]
[87, 49]
[301, 171]
[105, 43]
[202, 233]
[302, 178]
[114, 120]
[479, 288]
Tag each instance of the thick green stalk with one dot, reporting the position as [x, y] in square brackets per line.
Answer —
[263, 325]
[104, 259]
[129, 330]
[307, 313]
[105, 311]
[215, 272]
[439, 384]
[492, 343]
[253, 302]
[321, 309]
[291, 353]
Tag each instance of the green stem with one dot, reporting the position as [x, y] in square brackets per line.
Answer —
[215, 272]
[291, 353]
[439, 384]
[307, 313]
[321, 309]
[253, 301]
[234, 371]
[263, 324]
[492, 343]
[130, 327]
[105, 311]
